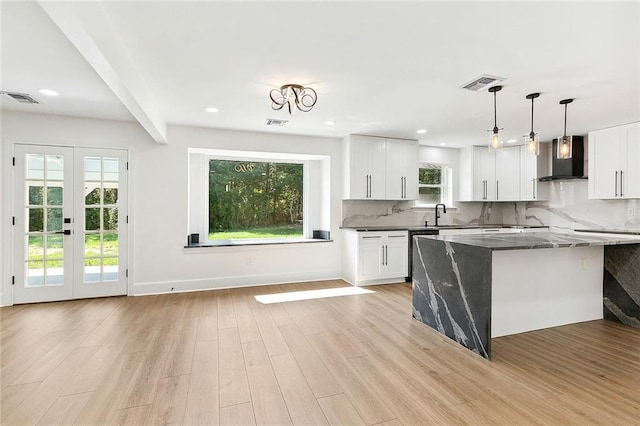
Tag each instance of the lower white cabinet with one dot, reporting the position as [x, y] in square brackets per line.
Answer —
[375, 257]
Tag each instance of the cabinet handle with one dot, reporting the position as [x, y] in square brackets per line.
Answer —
[401, 187]
[370, 186]
[621, 184]
[497, 190]
[396, 236]
[375, 236]
[616, 193]
[385, 255]
[404, 186]
[533, 188]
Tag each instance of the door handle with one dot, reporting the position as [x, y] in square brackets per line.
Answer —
[621, 184]
[616, 193]
[65, 232]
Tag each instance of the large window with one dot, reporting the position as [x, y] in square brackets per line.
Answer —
[435, 185]
[255, 199]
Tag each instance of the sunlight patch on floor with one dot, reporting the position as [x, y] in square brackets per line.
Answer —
[310, 294]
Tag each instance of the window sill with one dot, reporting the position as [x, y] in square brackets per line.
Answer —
[256, 242]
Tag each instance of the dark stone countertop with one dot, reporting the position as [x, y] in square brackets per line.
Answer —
[436, 228]
[535, 240]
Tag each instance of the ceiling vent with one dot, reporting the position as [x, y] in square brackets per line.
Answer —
[23, 98]
[482, 82]
[275, 122]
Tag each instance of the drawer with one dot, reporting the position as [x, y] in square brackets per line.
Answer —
[397, 237]
[370, 237]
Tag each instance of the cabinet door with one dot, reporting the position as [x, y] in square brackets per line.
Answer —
[396, 260]
[401, 170]
[528, 176]
[630, 180]
[604, 161]
[370, 261]
[483, 174]
[507, 183]
[366, 167]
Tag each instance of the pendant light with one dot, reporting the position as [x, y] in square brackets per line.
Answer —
[565, 142]
[531, 142]
[495, 140]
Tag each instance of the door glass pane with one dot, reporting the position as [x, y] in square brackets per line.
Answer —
[55, 167]
[35, 250]
[111, 193]
[91, 270]
[54, 247]
[110, 269]
[92, 168]
[110, 245]
[54, 195]
[35, 166]
[92, 245]
[92, 219]
[92, 191]
[35, 194]
[35, 274]
[110, 169]
[110, 219]
[54, 273]
[36, 219]
[54, 219]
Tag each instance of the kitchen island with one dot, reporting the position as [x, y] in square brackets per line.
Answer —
[475, 287]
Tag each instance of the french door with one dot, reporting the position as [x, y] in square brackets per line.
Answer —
[70, 223]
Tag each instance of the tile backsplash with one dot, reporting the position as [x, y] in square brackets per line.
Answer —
[568, 207]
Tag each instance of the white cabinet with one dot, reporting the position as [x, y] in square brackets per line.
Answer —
[614, 162]
[375, 257]
[401, 170]
[380, 169]
[365, 167]
[507, 169]
[507, 175]
[488, 176]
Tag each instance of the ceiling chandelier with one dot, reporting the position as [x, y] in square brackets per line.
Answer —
[565, 142]
[295, 96]
[531, 142]
[495, 141]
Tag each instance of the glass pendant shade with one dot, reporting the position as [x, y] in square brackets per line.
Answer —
[565, 146]
[495, 141]
[532, 144]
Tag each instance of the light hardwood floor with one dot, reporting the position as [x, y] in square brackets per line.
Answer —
[221, 357]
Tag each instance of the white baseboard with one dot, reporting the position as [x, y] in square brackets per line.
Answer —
[218, 283]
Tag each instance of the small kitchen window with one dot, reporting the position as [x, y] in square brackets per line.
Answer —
[435, 185]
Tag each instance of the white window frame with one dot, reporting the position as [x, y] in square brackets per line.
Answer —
[446, 185]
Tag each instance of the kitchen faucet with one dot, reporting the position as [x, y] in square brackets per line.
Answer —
[444, 210]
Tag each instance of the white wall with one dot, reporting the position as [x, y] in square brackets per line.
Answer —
[158, 207]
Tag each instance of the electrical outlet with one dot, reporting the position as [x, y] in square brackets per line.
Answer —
[631, 212]
[248, 261]
[389, 210]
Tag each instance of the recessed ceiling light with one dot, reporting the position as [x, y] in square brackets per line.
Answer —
[512, 141]
[421, 131]
[48, 92]
[211, 109]
[329, 122]
[442, 144]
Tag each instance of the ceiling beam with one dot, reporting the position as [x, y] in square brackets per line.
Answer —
[88, 28]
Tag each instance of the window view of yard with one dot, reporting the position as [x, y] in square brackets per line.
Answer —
[252, 199]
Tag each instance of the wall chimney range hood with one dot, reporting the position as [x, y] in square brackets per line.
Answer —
[570, 168]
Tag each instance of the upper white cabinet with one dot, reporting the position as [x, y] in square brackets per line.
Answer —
[531, 168]
[488, 176]
[380, 169]
[507, 175]
[614, 162]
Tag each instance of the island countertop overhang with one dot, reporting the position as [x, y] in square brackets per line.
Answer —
[535, 240]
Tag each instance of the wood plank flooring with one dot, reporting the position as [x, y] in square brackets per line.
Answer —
[221, 357]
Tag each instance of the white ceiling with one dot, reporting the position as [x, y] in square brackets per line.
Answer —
[380, 68]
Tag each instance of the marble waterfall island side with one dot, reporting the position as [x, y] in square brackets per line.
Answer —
[474, 287]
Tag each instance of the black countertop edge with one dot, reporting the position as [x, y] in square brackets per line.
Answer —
[611, 231]
[227, 243]
[437, 228]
